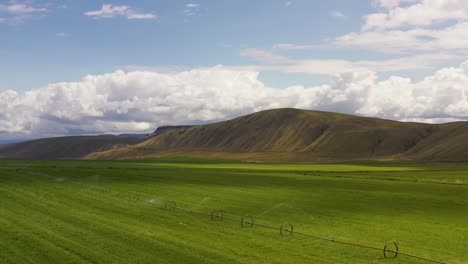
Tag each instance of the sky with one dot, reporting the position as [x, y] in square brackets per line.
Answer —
[90, 67]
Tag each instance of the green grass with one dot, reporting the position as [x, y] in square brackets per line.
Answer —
[91, 211]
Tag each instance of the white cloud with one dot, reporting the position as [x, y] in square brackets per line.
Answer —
[452, 39]
[265, 56]
[389, 4]
[17, 13]
[338, 15]
[442, 95]
[62, 34]
[140, 101]
[192, 10]
[412, 26]
[111, 11]
[274, 62]
[20, 9]
[420, 13]
[416, 33]
[288, 3]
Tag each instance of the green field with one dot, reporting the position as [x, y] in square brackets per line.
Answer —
[107, 212]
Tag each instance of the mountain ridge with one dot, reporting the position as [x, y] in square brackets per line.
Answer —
[71, 147]
[295, 135]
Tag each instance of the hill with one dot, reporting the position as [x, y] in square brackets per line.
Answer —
[163, 129]
[11, 141]
[294, 135]
[75, 147]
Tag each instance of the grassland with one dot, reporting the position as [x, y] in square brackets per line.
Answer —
[102, 211]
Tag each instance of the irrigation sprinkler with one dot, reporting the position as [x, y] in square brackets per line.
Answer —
[171, 205]
[286, 229]
[217, 215]
[390, 250]
[247, 221]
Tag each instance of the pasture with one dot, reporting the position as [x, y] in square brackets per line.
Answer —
[110, 211]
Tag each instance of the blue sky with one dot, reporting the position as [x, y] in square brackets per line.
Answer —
[63, 44]
[90, 67]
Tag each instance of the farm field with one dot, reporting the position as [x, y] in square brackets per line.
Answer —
[113, 211]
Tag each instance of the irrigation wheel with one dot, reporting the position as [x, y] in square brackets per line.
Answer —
[390, 250]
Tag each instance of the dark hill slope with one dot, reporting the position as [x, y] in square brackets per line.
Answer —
[164, 129]
[448, 143]
[64, 147]
[302, 135]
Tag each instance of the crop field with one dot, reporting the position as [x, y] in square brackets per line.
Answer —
[123, 211]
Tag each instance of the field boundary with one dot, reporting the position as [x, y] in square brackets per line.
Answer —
[390, 250]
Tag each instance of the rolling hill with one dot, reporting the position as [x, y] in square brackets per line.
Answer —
[294, 135]
[163, 129]
[75, 147]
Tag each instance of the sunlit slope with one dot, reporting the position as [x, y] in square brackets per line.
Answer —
[303, 135]
[64, 147]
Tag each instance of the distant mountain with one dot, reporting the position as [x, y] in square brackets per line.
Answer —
[74, 147]
[141, 136]
[11, 141]
[293, 135]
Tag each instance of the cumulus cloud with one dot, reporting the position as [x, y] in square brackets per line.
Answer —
[443, 95]
[140, 101]
[111, 11]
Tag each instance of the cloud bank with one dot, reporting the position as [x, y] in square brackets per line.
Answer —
[140, 101]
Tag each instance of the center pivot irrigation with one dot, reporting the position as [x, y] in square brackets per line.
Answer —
[247, 221]
[390, 250]
[286, 229]
[217, 215]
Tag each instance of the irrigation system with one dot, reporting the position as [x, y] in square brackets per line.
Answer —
[390, 250]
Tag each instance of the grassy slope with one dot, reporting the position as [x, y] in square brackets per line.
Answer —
[64, 147]
[448, 143]
[46, 220]
[304, 136]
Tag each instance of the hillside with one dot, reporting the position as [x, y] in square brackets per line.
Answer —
[293, 135]
[11, 141]
[75, 147]
[164, 129]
